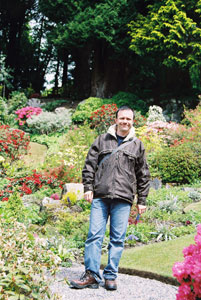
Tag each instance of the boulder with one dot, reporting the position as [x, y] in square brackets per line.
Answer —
[76, 188]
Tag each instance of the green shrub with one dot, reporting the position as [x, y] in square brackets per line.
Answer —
[85, 108]
[47, 122]
[133, 101]
[52, 105]
[17, 100]
[23, 262]
[179, 164]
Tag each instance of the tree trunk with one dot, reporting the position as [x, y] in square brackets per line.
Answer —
[65, 71]
[108, 73]
[82, 73]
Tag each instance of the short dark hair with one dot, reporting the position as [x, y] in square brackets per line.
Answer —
[125, 107]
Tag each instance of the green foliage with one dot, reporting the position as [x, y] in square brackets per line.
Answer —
[53, 104]
[195, 196]
[163, 233]
[183, 230]
[169, 205]
[131, 100]
[23, 262]
[139, 233]
[68, 159]
[85, 108]
[48, 122]
[167, 194]
[16, 101]
[5, 75]
[169, 32]
[70, 198]
[180, 164]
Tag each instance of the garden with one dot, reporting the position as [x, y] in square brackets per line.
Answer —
[41, 228]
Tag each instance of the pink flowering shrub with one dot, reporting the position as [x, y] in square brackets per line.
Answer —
[188, 272]
[26, 112]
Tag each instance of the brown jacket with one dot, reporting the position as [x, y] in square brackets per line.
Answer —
[121, 176]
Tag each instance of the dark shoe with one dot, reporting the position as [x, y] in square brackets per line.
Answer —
[86, 280]
[110, 285]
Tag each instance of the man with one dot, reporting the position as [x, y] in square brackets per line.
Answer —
[111, 179]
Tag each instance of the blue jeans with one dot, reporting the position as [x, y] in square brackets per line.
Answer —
[101, 209]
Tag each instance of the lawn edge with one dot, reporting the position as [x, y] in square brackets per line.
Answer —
[147, 274]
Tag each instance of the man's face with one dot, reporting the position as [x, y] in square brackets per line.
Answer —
[124, 122]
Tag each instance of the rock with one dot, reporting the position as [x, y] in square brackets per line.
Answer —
[49, 201]
[156, 183]
[29, 200]
[193, 206]
[76, 188]
[61, 110]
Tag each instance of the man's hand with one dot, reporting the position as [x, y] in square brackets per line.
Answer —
[88, 196]
[141, 208]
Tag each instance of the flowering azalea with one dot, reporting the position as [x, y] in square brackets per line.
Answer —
[188, 272]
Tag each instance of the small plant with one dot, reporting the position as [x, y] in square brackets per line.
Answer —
[163, 233]
[70, 198]
[188, 271]
[195, 196]
[169, 205]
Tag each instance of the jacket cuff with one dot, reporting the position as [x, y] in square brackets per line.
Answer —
[88, 188]
[141, 200]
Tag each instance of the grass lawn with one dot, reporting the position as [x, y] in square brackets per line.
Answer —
[155, 258]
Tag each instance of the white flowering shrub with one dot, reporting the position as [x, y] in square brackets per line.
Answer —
[48, 122]
[155, 113]
[34, 102]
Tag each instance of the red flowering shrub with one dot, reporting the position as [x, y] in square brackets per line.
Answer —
[13, 142]
[29, 185]
[102, 118]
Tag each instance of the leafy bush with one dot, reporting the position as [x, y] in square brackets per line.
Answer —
[102, 118]
[17, 100]
[14, 143]
[179, 164]
[131, 100]
[53, 104]
[48, 122]
[23, 262]
[85, 108]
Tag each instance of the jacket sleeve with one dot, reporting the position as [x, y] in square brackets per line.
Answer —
[90, 166]
[142, 177]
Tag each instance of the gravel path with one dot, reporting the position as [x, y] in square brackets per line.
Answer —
[129, 288]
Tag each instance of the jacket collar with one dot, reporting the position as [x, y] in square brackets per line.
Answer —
[112, 131]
